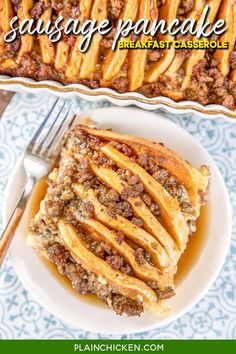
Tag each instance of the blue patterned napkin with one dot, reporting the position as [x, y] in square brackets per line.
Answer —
[22, 317]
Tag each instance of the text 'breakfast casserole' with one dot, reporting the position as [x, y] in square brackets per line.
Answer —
[206, 76]
[117, 215]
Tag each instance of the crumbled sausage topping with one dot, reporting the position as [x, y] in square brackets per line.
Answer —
[88, 283]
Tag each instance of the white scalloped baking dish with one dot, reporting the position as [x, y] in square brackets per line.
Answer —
[125, 99]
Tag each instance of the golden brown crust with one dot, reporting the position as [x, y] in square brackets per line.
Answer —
[133, 232]
[138, 58]
[27, 40]
[193, 180]
[179, 57]
[91, 57]
[115, 59]
[75, 56]
[141, 210]
[6, 13]
[131, 287]
[46, 47]
[172, 73]
[226, 12]
[233, 75]
[198, 55]
[170, 210]
[168, 11]
[143, 271]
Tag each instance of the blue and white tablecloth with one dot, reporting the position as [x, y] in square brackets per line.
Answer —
[22, 317]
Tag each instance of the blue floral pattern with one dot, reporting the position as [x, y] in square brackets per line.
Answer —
[22, 317]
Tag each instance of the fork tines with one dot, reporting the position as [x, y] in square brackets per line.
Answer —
[47, 139]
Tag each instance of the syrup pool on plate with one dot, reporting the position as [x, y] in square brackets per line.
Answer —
[37, 195]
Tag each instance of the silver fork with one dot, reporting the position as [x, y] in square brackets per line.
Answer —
[38, 160]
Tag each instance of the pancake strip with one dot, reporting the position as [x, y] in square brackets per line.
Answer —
[143, 271]
[90, 58]
[62, 49]
[115, 59]
[137, 57]
[27, 40]
[6, 14]
[141, 210]
[46, 47]
[170, 210]
[128, 286]
[179, 57]
[168, 11]
[119, 223]
[233, 75]
[198, 55]
[227, 13]
[193, 180]
[75, 57]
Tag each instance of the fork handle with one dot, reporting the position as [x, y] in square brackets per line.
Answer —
[15, 218]
[9, 233]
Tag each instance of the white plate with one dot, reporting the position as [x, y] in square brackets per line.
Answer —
[74, 309]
